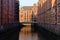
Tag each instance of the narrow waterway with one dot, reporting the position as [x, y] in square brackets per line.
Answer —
[26, 34]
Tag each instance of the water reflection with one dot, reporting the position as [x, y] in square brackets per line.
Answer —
[26, 34]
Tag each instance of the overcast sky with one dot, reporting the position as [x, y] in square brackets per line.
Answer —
[27, 2]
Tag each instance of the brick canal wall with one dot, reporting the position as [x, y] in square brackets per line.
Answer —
[10, 31]
[48, 35]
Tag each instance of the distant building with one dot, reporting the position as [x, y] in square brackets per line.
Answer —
[26, 13]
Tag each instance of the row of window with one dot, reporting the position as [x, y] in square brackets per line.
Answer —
[51, 14]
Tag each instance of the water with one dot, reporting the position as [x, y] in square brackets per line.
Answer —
[26, 34]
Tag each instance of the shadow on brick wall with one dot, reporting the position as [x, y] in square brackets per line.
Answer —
[10, 31]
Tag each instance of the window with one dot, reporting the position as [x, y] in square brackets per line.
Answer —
[21, 12]
[58, 9]
[34, 20]
[21, 15]
[52, 10]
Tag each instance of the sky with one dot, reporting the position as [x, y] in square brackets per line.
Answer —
[27, 2]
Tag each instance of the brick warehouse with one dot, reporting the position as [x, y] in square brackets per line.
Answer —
[49, 15]
[26, 13]
[8, 11]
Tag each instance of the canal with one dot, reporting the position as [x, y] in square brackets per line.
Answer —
[27, 34]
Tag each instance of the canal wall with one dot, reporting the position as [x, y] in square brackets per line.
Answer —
[49, 35]
[10, 31]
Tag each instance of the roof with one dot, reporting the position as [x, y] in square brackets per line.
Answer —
[27, 7]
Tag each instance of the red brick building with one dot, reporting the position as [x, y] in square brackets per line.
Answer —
[27, 12]
[49, 15]
[8, 11]
[44, 11]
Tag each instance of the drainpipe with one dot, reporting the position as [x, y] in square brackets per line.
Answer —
[56, 12]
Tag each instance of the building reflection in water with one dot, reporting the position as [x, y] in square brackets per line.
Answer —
[26, 34]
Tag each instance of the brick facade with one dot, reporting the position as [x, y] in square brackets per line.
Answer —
[25, 15]
[47, 11]
[7, 11]
[49, 15]
[27, 12]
